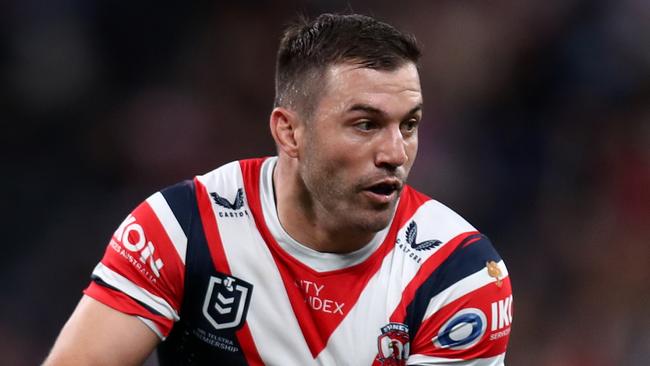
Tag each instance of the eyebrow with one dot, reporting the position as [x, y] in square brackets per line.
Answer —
[373, 110]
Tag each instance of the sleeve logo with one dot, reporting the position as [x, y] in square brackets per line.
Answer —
[131, 236]
[462, 331]
[226, 301]
[501, 317]
[495, 272]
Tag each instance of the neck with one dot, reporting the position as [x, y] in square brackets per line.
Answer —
[305, 220]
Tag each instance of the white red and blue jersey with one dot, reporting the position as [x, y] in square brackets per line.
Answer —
[208, 267]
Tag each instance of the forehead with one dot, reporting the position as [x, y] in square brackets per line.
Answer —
[349, 84]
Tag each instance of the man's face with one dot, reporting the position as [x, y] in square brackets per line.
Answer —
[360, 144]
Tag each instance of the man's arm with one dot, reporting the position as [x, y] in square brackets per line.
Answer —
[97, 334]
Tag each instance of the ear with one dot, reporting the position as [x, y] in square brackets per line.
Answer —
[286, 131]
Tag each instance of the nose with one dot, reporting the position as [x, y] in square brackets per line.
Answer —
[391, 152]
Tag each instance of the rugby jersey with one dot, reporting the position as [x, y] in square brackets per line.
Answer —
[208, 267]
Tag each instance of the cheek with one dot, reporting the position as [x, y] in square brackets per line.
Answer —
[323, 160]
[334, 157]
[337, 165]
[337, 169]
[337, 152]
[411, 152]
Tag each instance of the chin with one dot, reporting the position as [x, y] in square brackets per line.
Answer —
[375, 223]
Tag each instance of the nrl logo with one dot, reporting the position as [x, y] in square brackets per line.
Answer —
[411, 238]
[223, 202]
[226, 301]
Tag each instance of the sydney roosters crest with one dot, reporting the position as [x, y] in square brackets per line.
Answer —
[393, 344]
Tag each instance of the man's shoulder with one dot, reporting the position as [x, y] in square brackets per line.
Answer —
[225, 171]
[182, 195]
[219, 170]
[433, 212]
[234, 169]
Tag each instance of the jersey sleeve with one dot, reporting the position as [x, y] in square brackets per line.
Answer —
[143, 268]
[467, 316]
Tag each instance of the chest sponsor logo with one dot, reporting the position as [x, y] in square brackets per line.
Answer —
[226, 301]
[234, 208]
[130, 241]
[462, 331]
[393, 344]
[317, 300]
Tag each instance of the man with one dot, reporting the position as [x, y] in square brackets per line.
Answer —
[319, 256]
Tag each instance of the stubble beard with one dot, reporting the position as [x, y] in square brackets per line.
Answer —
[342, 202]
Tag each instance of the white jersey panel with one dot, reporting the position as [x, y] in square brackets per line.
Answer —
[379, 299]
[169, 222]
[271, 320]
[432, 221]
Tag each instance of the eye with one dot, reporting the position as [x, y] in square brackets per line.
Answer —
[365, 125]
[409, 126]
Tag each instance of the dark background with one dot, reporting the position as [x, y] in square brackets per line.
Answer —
[536, 129]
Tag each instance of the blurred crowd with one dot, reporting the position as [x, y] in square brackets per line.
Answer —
[536, 129]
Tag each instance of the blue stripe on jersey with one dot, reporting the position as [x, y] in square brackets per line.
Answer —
[181, 198]
[192, 339]
[463, 262]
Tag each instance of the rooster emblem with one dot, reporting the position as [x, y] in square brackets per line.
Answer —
[235, 205]
[411, 238]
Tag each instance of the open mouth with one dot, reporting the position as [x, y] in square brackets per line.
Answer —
[384, 188]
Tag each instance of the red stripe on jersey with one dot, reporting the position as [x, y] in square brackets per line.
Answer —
[251, 174]
[471, 241]
[172, 274]
[124, 304]
[309, 291]
[141, 251]
[423, 274]
[210, 228]
[496, 304]
[218, 254]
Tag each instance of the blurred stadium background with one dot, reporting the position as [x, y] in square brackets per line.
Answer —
[537, 130]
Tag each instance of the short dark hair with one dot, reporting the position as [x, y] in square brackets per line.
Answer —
[308, 47]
